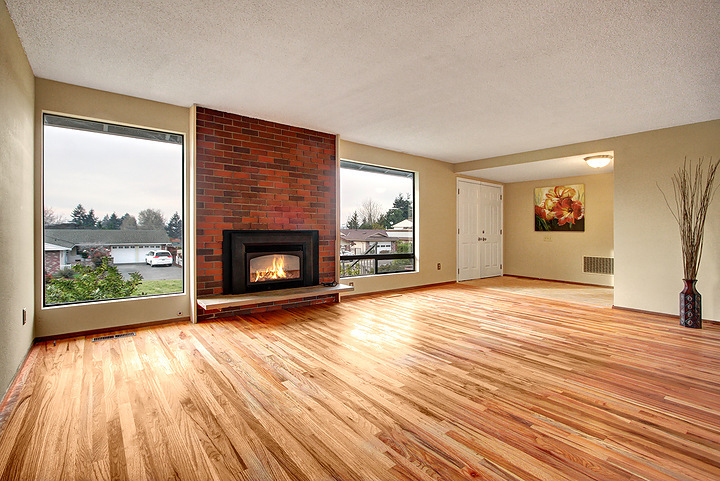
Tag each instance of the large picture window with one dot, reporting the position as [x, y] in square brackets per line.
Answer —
[377, 234]
[112, 211]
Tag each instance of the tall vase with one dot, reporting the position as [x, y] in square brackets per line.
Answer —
[690, 305]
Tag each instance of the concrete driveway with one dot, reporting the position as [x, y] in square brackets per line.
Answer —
[148, 273]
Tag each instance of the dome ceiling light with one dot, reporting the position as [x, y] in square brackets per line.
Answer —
[598, 161]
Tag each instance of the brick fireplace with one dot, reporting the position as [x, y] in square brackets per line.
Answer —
[258, 175]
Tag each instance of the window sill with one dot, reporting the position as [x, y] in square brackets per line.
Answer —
[108, 301]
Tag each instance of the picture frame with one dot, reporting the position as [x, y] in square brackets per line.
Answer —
[560, 208]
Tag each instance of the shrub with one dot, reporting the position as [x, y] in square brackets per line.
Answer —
[96, 255]
[91, 283]
[66, 273]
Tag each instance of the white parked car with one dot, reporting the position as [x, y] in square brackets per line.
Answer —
[159, 258]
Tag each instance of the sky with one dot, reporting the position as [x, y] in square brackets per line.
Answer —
[357, 185]
[110, 173]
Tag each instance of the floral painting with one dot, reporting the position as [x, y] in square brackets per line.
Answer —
[560, 208]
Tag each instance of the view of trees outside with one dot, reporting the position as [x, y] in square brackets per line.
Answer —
[99, 181]
[378, 200]
[370, 214]
[150, 219]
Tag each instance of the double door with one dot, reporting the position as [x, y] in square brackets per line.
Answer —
[479, 208]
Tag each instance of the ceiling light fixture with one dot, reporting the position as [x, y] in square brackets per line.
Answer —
[598, 161]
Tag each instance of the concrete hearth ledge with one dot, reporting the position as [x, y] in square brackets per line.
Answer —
[215, 303]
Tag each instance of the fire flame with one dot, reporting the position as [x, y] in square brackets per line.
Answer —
[276, 271]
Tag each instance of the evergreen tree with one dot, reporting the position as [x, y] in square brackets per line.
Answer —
[77, 216]
[84, 219]
[114, 222]
[353, 222]
[90, 220]
[401, 210]
[174, 227]
[110, 222]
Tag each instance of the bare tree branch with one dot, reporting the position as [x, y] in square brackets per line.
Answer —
[694, 191]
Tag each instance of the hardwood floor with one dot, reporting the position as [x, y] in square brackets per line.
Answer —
[596, 295]
[454, 382]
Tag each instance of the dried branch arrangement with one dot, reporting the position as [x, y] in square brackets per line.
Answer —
[694, 191]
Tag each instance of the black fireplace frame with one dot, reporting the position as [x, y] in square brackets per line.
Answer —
[238, 243]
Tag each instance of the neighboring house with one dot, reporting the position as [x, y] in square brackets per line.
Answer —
[125, 246]
[403, 230]
[370, 241]
[359, 241]
[402, 226]
[56, 258]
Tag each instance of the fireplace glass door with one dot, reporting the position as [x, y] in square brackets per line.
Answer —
[274, 267]
[265, 260]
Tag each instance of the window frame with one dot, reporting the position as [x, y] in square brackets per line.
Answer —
[123, 130]
[392, 256]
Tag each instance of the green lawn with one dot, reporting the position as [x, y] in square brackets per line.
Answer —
[159, 287]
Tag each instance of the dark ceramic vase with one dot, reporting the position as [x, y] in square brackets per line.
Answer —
[690, 305]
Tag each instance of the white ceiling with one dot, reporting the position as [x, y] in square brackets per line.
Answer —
[448, 79]
[542, 169]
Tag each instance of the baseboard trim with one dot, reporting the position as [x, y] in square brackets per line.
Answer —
[562, 282]
[105, 330]
[641, 311]
[396, 291]
[660, 314]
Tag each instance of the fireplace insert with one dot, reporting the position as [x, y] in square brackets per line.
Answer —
[262, 260]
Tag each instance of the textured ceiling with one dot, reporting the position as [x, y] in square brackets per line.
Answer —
[453, 80]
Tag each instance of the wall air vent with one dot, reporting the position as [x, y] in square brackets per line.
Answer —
[599, 265]
[114, 336]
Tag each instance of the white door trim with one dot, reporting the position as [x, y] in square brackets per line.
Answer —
[457, 221]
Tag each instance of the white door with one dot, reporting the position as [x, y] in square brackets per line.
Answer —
[468, 227]
[479, 230]
[490, 230]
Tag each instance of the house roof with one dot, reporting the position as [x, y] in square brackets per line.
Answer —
[86, 237]
[403, 224]
[55, 247]
[364, 235]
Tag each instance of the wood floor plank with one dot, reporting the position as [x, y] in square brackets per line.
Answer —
[453, 382]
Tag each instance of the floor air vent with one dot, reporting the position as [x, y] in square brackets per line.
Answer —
[115, 336]
[599, 265]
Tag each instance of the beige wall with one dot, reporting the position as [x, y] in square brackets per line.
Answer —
[16, 200]
[648, 269]
[435, 217]
[67, 99]
[648, 262]
[558, 255]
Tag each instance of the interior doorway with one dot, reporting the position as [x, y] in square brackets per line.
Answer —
[479, 224]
